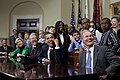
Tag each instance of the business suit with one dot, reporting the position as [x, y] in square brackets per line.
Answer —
[55, 54]
[103, 61]
[9, 49]
[64, 46]
[12, 41]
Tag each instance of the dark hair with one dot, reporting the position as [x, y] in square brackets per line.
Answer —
[75, 31]
[94, 24]
[107, 21]
[115, 17]
[3, 39]
[14, 30]
[57, 28]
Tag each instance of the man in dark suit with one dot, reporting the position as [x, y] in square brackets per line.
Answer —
[50, 52]
[96, 59]
[13, 38]
[34, 47]
[5, 48]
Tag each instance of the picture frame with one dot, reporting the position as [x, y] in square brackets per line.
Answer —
[114, 9]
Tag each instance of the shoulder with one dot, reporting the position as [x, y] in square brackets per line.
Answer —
[26, 47]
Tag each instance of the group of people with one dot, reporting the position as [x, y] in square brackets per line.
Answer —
[97, 45]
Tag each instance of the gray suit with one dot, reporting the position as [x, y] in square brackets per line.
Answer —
[103, 61]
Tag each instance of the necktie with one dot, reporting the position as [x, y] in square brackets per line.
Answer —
[88, 63]
[33, 51]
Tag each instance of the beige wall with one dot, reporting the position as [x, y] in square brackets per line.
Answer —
[49, 11]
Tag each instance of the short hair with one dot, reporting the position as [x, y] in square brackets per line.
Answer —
[32, 34]
[3, 39]
[75, 31]
[14, 30]
[16, 41]
[116, 17]
[83, 31]
[107, 20]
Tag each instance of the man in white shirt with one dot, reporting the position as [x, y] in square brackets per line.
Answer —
[97, 58]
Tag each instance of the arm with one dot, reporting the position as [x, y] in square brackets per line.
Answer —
[114, 42]
[70, 48]
[15, 52]
[114, 63]
[25, 50]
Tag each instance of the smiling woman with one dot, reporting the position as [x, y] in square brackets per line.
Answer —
[21, 48]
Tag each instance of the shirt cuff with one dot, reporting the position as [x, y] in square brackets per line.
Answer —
[57, 47]
[43, 59]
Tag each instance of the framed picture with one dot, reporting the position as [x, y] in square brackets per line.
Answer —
[115, 9]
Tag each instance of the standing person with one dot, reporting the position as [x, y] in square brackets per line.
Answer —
[96, 59]
[109, 37]
[96, 33]
[52, 29]
[26, 39]
[115, 21]
[41, 36]
[13, 38]
[70, 29]
[64, 39]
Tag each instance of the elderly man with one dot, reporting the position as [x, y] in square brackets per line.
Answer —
[35, 47]
[96, 59]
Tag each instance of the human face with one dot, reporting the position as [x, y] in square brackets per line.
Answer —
[26, 36]
[70, 29]
[20, 43]
[4, 42]
[41, 34]
[85, 24]
[92, 25]
[61, 27]
[88, 39]
[49, 38]
[33, 40]
[76, 36]
[52, 30]
[105, 26]
[114, 22]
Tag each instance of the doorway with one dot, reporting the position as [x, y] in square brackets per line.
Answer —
[28, 25]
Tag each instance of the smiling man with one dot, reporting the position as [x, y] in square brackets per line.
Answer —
[96, 59]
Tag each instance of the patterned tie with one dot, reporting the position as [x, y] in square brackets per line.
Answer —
[88, 63]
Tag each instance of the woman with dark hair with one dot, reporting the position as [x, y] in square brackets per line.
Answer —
[64, 39]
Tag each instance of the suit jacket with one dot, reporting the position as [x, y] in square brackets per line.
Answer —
[64, 46]
[103, 61]
[55, 55]
[9, 49]
[12, 41]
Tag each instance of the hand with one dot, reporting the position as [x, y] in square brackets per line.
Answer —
[56, 42]
[18, 55]
[47, 61]
[103, 77]
[72, 38]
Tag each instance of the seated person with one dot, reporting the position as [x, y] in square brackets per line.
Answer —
[5, 48]
[50, 52]
[96, 59]
[76, 42]
[21, 48]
